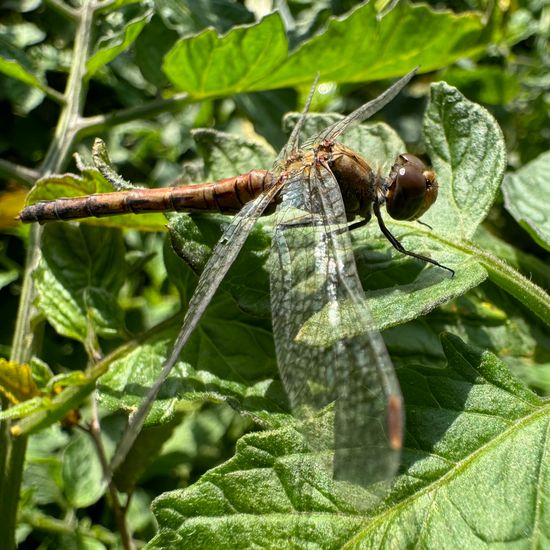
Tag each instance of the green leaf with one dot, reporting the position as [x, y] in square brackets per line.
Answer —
[523, 190]
[14, 63]
[82, 270]
[150, 48]
[193, 239]
[89, 182]
[102, 162]
[230, 357]
[255, 57]
[119, 40]
[42, 481]
[227, 155]
[488, 317]
[207, 65]
[486, 84]
[475, 436]
[7, 277]
[364, 46]
[82, 473]
[521, 260]
[468, 153]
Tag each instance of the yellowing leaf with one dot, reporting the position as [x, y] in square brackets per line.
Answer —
[16, 382]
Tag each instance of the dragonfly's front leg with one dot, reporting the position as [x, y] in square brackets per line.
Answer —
[398, 246]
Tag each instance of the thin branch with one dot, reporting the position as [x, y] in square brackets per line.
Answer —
[21, 174]
[65, 132]
[60, 7]
[120, 512]
[49, 524]
[97, 124]
[54, 95]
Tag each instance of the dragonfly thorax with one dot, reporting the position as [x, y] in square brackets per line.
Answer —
[358, 183]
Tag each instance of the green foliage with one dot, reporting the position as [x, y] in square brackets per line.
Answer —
[256, 57]
[522, 192]
[179, 92]
[473, 456]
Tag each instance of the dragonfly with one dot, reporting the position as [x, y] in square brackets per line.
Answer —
[333, 364]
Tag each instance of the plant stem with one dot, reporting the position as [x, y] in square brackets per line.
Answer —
[60, 7]
[65, 132]
[64, 527]
[523, 289]
[120, 512]
[504, 275]
[528, 293]
[24, 338]
[22, 174]
[97, 124]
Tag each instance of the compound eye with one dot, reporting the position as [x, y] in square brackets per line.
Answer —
[412, 189]
[411, 160]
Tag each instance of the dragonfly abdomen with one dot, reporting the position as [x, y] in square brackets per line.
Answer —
[228, 196]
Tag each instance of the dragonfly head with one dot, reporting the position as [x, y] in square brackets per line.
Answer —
[412, 188]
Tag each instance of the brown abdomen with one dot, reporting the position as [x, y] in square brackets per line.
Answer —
[227, 196]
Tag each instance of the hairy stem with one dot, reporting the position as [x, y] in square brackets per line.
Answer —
[24, 338]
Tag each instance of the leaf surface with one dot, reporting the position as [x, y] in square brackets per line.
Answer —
[475, 435]
[120, 39]
[467, 150]
[82, 270]
[254, 57]
[522, 198]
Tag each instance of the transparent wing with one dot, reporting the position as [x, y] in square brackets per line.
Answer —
[332, 364]
[363, 112]
[294, 139]
[223, 256]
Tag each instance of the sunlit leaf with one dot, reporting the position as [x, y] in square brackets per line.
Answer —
[211, 368]
[476, 435]
[467, 150]
[522, 197]
[208, 65]
[254, 57]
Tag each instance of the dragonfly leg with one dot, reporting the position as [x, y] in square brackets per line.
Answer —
[398, 246]
[424, 224]
[357, 225]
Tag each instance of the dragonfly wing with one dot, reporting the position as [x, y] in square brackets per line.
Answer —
[329, 357]
[294, 139]
[223, 256]
[362, 113]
